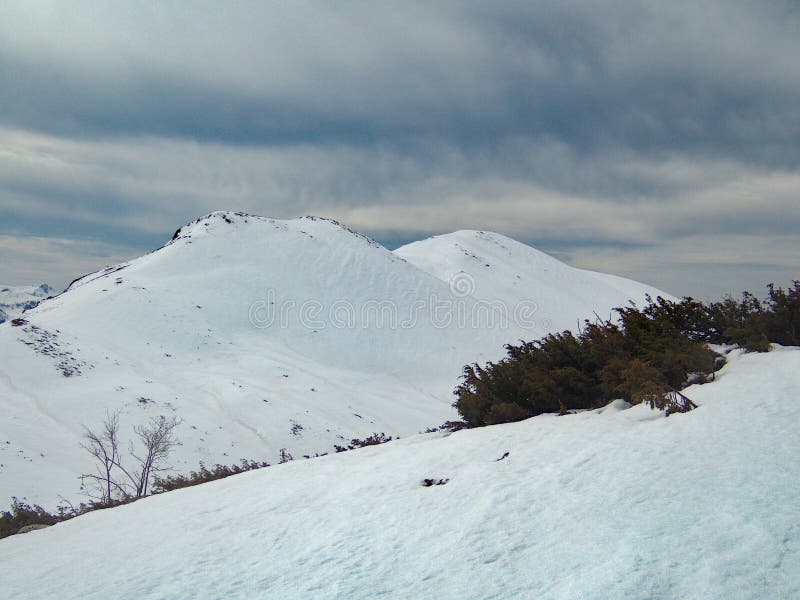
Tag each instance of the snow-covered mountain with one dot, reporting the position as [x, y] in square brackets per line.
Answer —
[265, 335]
[494, 268]
[611, 503]
[15, 299]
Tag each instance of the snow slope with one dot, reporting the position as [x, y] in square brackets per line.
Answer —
[261, 335]
[15, 299]
[611, 503]
[493, 267]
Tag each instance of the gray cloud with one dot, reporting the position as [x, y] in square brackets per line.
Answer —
[628, 128]
[54, 259]
[708, 79]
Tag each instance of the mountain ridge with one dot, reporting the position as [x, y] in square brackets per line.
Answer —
[262, 335]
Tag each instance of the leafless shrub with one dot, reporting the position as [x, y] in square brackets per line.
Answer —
[112, 478]
[203, 475]
[372, 440]
[285, 456]
[104, 447]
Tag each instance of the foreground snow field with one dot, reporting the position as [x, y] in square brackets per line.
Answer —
[264, 334]
[611, 503]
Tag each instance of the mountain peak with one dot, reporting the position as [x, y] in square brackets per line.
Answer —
[219, 220]
[213, 218]
[267, 334]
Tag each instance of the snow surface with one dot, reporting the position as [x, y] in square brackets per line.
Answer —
[186, 331]
[611, 503]
[502, 269]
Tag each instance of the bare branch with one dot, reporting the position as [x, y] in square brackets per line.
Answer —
[105, 448]
[157, 439]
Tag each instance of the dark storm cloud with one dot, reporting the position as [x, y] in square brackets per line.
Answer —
[714, 79]
[620, 125]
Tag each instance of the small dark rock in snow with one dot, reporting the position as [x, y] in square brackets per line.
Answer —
[432, 482]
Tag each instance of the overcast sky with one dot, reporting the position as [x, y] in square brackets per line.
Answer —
[659, 141]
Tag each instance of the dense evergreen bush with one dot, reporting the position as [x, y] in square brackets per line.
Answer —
[750, 322]
[639, 359]
[646, 355]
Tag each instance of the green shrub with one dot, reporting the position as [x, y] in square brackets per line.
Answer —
[506, 412]
[750, 323]
[783, 317]
[643, 358]
[646, 356]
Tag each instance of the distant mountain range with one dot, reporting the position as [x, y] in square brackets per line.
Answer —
[265, 335]
[16, 299]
